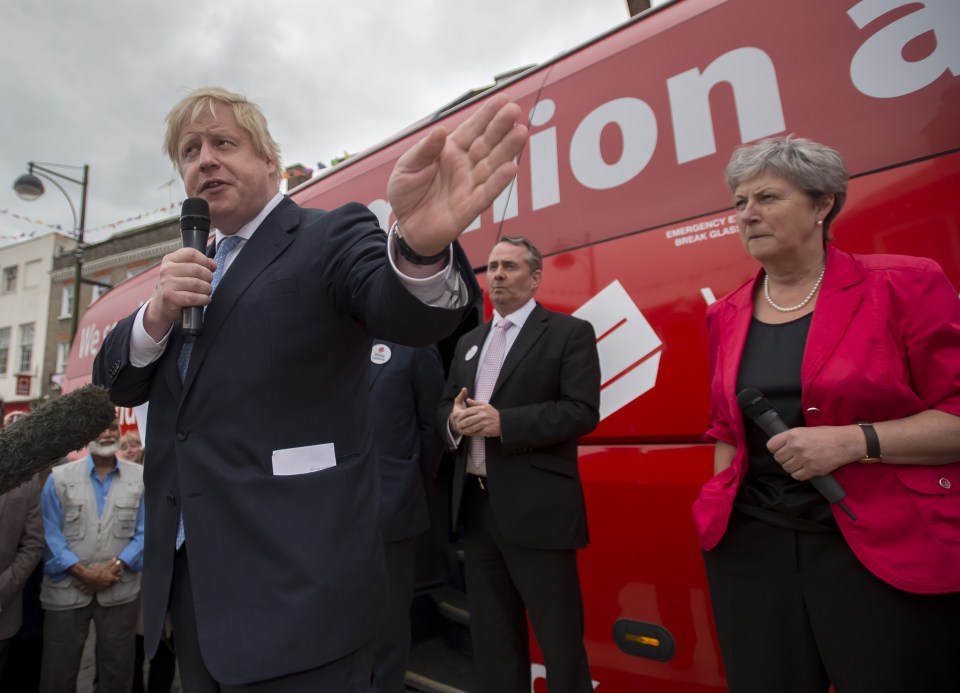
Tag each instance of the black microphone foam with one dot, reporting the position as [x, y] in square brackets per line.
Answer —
[59, 427]
[194, 230]
[758, 409]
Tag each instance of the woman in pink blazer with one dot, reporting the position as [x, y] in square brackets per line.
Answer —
[860, 356]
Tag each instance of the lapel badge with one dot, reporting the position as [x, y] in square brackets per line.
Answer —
[471, 352]
[380, 354]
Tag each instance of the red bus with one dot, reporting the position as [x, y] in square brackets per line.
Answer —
[621, 187]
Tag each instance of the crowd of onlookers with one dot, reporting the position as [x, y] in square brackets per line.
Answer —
[56, 577]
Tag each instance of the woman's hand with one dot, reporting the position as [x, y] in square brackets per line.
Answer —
[928, 437]
[808, 452]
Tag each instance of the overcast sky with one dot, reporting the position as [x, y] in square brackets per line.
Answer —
[90, 82]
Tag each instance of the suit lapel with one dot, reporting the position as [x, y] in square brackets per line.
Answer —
[475, 339]
[531, 331]
[270, 239]
[840, 298]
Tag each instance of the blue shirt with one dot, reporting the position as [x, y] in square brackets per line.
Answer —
[58, 557]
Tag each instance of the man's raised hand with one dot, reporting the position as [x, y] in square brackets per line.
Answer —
[445, 181]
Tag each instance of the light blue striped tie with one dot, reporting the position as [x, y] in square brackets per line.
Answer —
[223, 250]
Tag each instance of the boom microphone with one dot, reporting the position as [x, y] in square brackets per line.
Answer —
[60, 426]
[194, 230]
[758, 409]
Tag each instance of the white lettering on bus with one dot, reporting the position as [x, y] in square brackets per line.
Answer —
[545, 186]
[638, 126]
[759, 112]
[879, 68]
[750, 72]
[381, 209]
[91, 338]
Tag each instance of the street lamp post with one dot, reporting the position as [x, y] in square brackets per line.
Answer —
[30, 187]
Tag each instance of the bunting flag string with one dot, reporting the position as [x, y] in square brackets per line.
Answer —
[291, 171]
[112, 226]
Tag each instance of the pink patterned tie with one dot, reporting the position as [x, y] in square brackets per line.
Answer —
[486, 379]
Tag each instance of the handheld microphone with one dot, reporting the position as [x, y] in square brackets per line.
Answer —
[758, 409]
[59, 427]
[194, 230]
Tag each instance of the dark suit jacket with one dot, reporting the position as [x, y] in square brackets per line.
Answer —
[21, 548]
[548, 395]
[404, 395]
[287, 571]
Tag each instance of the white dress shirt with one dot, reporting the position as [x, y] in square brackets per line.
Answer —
[518, 318]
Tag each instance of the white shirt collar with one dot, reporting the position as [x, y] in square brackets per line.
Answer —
[517, 317]
[246, 231]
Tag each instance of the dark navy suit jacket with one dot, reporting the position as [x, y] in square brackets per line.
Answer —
[287, 571]
[404, 394]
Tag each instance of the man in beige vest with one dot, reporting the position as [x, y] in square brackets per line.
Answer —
[93, 523]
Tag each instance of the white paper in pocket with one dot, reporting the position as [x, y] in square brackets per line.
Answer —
[309, 458]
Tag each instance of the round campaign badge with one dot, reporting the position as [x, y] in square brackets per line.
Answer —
[380, 354]
[471, 352]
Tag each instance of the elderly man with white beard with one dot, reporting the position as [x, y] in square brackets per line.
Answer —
[93, 522]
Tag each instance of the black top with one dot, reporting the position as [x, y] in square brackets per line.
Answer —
[771, 362]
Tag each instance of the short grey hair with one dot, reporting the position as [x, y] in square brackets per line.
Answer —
[534, 258]
[815, 168]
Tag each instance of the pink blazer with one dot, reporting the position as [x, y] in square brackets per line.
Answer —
[884, 343]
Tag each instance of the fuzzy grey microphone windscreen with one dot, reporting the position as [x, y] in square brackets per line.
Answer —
[62, 425]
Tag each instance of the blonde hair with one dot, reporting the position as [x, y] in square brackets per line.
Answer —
[248, 115]
[129, 437]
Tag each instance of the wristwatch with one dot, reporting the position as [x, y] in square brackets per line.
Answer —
[411, 255]
[874, 453]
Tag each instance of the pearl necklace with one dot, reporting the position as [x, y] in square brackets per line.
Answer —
[813, 291]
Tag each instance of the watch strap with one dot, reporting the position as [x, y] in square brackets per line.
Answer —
[874, 454]
[413, 256]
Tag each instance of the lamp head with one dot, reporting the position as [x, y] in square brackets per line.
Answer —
[28, 186]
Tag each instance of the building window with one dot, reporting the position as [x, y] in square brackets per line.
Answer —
[9, 284]
[97, 292]
[66, 301]
[4, 349]
[33, 274]
[26, 348]
[63, 353]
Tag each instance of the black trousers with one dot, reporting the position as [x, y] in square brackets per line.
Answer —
[796, 611]
[392, 645]
[349, 674]
[506, 582]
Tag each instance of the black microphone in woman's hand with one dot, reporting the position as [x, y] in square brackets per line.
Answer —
[194, 231]
[758, 409]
